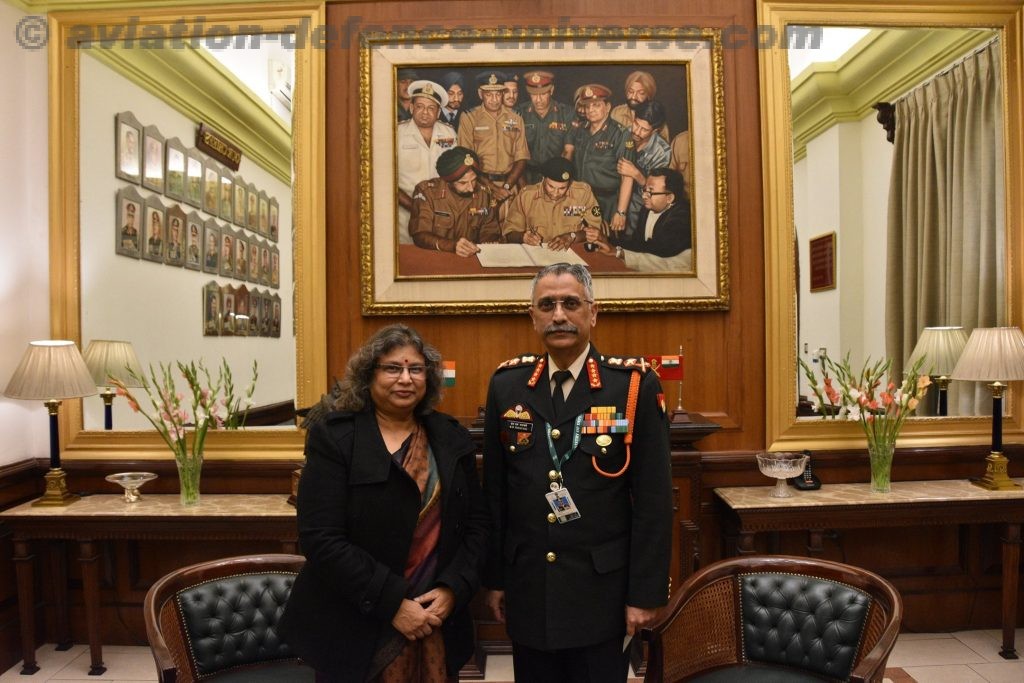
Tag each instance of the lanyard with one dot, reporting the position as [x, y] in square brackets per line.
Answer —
[577, 434]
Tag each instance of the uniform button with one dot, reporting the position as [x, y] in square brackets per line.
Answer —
[551, 518]
[556, 434]
[604, 451]
[552, 557]
[512, 449]
[553, 475]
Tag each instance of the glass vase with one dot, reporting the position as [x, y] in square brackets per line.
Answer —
[880, 455]
[189, 471]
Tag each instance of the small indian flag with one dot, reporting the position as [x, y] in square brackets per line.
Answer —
[448, 367]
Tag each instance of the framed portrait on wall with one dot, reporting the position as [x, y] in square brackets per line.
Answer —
[275, 211]
[242, 311]
[152, 159]
[128, 147]
[254, 259]
[174, 170]
[275, 267]
[254, 312]
[227, 315]
[211, 246]
[154, 230]
[264, 263]
[194, 250]
[275, 315]
[211, 309]
[264, 208]
[526, 105]
[252, 217]
[241, 255]
[174, 255]
[238, 211]
[227, 194]
[227, 251]
[129, 218]
[194, 160]
[211, 186]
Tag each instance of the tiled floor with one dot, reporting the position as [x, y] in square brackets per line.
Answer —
[964, 657]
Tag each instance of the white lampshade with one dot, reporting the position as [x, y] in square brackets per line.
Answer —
[941, 348]
[51, 370]
[992, 354]
[111, 359]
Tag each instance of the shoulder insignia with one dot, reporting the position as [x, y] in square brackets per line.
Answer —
[640, 364]
[593, 374]
[537, 371]
[518, 360]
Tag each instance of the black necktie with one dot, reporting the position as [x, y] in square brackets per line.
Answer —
[558, 398]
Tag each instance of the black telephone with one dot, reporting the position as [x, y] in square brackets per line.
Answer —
[808, 481]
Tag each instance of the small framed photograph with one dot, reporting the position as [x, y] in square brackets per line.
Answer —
[238, 212]
[152, 159]
[252, 216]
[227, 194]
[211, 187]
[266, 307]
[254, 312]
[174, 255]
[241, 255]
[194, 250]
[227, 317]
[154, 232]
[211, 248]
[174, 171]
[275, 315]
[264, 214]
[211, 309]
[227, 251]
[275, 211]
[129, 217]
[275, 267]
[242, 318]
[128, 145]
[254, 260]
[194, 160]
[264, 263]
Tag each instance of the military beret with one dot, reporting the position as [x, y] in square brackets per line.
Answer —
[490, 80]
[430, 90]
[557, 168]
[454, 163]
[539, 81]
[594, 92]
[407, 74]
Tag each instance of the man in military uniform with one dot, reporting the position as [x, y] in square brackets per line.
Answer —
[547, 122]
[577, 475]
[510, 97]
[129, 233]
[554, 211]
[651, 152]
[596, 148]
[454, 212]
[640, 87]
[420, 141]
[403, 106]
[496, 134]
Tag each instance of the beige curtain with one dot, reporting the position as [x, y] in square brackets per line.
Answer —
[946, 226]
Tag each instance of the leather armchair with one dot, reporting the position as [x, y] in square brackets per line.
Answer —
[218, 620]
[777, 618]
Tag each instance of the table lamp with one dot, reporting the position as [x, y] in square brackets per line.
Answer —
[52, 370]
[106, 360]
[994, 355]
[941, 348]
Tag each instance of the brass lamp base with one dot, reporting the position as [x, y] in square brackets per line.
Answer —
[57, 493]
[995, 478]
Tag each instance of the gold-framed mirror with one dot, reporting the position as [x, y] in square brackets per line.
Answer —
[302, 306]
[1004, 17]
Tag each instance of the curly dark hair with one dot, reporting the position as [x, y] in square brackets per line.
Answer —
[354, 388]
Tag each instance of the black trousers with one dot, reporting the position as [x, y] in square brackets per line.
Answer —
[600, 663]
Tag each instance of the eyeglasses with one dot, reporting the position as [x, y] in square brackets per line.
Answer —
[569, 304]
[395, 371]
[647, 192]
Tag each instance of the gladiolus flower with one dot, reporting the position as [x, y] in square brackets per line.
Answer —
[912, 404]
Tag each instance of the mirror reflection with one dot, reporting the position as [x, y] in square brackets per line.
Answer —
[190, 260]
[897, 235]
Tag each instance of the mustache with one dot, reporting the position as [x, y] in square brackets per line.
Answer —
[564, 327]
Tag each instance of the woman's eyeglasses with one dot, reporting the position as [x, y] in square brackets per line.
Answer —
[395, 371]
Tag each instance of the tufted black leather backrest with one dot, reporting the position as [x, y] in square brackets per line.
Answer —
[232, 621]
[801, 621]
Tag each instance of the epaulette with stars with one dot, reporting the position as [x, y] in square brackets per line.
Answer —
[626, 363]
[525, 359]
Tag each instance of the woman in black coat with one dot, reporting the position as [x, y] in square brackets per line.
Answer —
[392, 523]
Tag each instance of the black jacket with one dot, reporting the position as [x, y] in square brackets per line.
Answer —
[357, 511]
[671, 235]
[617, 553]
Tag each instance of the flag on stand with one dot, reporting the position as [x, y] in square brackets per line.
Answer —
[448, 368]
[667, 367]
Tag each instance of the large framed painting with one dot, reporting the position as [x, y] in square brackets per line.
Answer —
[487, 154]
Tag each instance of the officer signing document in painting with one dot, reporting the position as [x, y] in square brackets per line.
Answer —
[577, 476]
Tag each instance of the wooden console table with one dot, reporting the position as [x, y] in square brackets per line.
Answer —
[911, 503]
[154, 517]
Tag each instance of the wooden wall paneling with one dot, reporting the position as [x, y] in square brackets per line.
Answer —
[724, 350]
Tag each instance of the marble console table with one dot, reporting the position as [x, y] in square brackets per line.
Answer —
[911, 503]
[154, 517]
